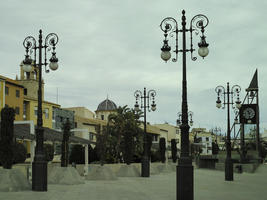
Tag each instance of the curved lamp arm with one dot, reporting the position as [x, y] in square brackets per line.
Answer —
[199, 23]
[220, 90]
[169, 26]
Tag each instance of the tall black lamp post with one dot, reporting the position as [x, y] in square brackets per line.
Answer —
[235, 90]
[144, 98]
[39, 165]
[184, 170]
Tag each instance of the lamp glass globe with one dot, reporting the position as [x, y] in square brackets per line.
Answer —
[165, 55]
[27, 67]
[218, 105]
[203, 51]
[53, 66]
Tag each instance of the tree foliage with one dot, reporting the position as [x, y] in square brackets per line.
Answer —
[49, 152]
[65, 144]
[77, 154]
[174, 150]
[215, 148]
[20, 153]
[124, 135]
[101, 145]
[7, 134]
[162, 149]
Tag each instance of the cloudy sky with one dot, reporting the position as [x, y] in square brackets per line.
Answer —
[112, 47]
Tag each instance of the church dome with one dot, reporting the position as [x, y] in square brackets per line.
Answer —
[106, 105]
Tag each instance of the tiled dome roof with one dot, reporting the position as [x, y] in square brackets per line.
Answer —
[106, 105]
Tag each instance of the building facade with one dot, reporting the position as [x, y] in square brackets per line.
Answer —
[12, 96]
[170, 132]
[60, 116]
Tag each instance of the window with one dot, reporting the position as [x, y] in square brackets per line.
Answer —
[24, 111]
[91, 136]
[6, 90]
[75, 124]
[17, 93]
[53, 114]
[207, 139]
[46, 112]
[35, 110]
[17, 110]
[102, 117]
[25, 91]
[154, 138]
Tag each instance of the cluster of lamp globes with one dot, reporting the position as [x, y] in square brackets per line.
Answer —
[179, 122]
[237, 103]
[203, 50]
[28, 62]
[136, 106]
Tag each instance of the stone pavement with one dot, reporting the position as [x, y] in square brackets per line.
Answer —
[209, 185]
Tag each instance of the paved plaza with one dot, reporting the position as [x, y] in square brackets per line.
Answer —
[208, 184]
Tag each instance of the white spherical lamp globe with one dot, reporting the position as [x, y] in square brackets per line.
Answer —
[165, 55]
[53, 66]
[27, 67]
[203, 51]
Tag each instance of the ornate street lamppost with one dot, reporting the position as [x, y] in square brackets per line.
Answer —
[179, 120]
[39, 165]
[144, 98]
[184, 169]
[235, 90]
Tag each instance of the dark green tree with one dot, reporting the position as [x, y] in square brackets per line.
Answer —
[162, 149]
[20, 153]
[124, 132]
[155, 156]
[65, 144]
[149, 144]
[6, 137]
[49, 152]
[101, 145]
[174, 150]
[215, 148]
[77, 154]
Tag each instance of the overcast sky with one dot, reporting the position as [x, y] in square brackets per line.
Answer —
[112, 47]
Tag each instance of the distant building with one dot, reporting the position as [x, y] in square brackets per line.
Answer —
[104, 109]
[199, 136]
[60, 116]
[170, 132]
[11, 95]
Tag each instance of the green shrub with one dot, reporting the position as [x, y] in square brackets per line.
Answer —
[162, 149]
[77, 154]
[20, 153]
[174, 150]
[155, 156]
[7, 133]
[49, 152]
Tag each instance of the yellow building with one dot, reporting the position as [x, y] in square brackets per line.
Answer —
[30, 81]
[12, 96]
[169, 132]
[31, 107]
[86, 123]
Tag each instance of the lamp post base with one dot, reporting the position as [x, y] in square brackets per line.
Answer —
[184, 180]
[229, 172]
[145, 167]
[39, 175]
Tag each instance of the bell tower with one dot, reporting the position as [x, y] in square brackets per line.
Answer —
[30, 82]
